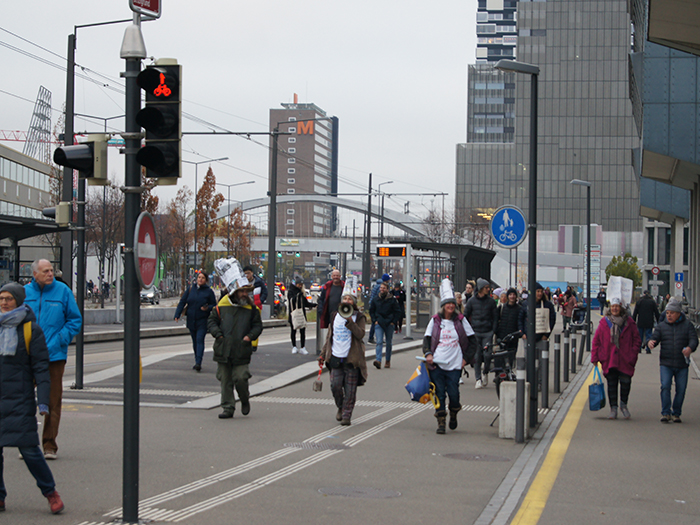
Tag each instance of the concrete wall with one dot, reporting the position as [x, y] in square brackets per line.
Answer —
[109, 315]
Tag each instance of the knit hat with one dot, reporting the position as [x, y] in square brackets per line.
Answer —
[672, 306]
[447, 294]
[480, 283]
[386, 277]
[538, 286]
[17, 291]
[298, 280]
[512, 290]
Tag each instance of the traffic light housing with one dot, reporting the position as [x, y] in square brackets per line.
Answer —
[61, 213]
[89, 158]
[161, 118]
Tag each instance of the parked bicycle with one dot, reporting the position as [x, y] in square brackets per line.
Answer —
[503, 360]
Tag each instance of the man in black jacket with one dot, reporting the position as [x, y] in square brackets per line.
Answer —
[481, 314]
[508, 315]
[385, 313]
[646, 315]
[678, 340]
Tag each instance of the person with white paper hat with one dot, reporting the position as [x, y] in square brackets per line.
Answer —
[449, 340]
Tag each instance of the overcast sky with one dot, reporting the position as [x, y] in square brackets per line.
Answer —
[393, 72]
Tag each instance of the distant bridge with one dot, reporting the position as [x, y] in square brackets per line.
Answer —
[402, 221]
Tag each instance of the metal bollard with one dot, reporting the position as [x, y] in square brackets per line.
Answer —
[520, 375]
[573, 353]
[582, 347]
[544, 365]
[557, 362]
[566, 355]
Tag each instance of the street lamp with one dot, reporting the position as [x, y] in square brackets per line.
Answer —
[228, 202]
[533, 71]
[196, 167]
[578, 182]
[380, 263]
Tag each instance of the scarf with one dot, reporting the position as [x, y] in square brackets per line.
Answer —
[616, 327]
[8, 329]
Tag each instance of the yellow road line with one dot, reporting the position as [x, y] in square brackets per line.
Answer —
[533, 505]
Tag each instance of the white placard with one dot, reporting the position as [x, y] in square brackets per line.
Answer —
[620, 287]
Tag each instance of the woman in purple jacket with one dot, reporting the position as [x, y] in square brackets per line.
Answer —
[616, 347]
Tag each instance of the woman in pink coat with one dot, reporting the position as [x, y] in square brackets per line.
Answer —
[616, 347]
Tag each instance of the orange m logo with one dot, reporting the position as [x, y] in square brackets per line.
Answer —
[306, 128]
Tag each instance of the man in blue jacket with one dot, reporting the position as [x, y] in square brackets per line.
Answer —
[58, 316]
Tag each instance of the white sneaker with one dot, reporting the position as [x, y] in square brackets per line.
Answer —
[478, 384]
[485, 379]
[461, 381]
[294, 350]
[304, 351]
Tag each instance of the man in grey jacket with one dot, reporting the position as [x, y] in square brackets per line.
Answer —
[678, 340]
[481, 314]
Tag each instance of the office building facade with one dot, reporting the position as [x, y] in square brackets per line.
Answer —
[586, 129]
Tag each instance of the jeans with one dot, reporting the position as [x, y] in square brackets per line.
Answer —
[644, 335]
[667, 375]
[34, 459]
[482, 339]
[53, 418]
[380, 334]
[198, 335]
[446, 382]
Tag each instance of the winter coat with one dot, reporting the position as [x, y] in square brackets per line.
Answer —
[481, 314]
[400, 297]
[646, 313]
[603, 350]
[229, 323]
[568, 307]
[508, 316]
[385, 311]
[356, 356]
[296, 299]
[195, 297]
[57, 314]
[18, 427]
[323, 306]
[673, 339]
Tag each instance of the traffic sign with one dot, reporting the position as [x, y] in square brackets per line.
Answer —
[655, 270]
[679, 277]
[679, 285]
[145, 250]
[508, 226]
[655, 282]
[146, 7]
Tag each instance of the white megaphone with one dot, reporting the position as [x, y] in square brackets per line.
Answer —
[345, 310]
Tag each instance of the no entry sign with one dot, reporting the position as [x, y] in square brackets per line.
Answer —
[145, 251]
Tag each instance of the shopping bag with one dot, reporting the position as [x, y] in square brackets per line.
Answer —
[298, 319]
[419, 386]
[596, 392]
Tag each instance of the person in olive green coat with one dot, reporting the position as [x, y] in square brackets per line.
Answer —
[235, 324]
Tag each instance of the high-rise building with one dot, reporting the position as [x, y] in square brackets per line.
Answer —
[586, 129]
[306, 164]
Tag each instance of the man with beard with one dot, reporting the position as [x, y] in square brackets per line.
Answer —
[385, 313]
[236, 325]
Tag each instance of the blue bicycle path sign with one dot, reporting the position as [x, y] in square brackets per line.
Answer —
[508, 226]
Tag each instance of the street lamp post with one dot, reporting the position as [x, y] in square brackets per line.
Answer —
[578, 182]
[380, 263]
[228, 203]
[533, 71]
[196, 168]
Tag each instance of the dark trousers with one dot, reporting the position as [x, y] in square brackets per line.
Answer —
[446, 385]
[198, 335]
[34, 459]
[302, 337]
[344, 388]
[482, 356]
[614, 377]
[53, 418]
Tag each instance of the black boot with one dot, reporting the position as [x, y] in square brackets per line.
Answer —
[453, 417]
[441, 416]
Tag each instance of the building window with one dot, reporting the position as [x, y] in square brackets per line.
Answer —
[290, 232]
[290, 222]
[291, 160]
[291, 190]
[291, 171]
[650, 246]
[291, 150]
[292, 140]
[290, 212]
[291, 181]
[292, 119]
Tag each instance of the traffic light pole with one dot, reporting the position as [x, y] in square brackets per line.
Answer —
[132, 51]
[272, 225]
[67, 183]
